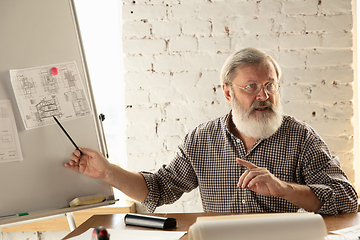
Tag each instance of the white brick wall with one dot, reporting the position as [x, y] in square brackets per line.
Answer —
[174, 50]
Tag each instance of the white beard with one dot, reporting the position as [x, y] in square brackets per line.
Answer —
[256, 124]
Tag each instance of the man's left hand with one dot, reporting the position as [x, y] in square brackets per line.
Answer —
[260, 180]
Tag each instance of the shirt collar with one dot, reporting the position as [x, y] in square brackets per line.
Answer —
[225, 121]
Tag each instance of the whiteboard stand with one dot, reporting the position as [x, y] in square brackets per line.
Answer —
[71, 220]
[52, 31]
[56, 213]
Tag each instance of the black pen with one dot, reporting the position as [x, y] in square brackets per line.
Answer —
[67, 134]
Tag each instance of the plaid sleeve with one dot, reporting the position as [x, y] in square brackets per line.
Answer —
[170, 182]
[327, 180]
[150, 202]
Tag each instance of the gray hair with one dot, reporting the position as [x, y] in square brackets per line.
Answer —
[245, 57]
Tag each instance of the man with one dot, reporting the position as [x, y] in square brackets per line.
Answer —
[253, 159]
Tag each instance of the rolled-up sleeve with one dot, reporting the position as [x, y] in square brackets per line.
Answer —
[328, 181]
[170, 182]
[152, 199]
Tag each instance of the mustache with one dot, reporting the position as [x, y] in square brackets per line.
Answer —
[258, 104]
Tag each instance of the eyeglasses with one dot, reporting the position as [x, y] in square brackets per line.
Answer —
[254, 88]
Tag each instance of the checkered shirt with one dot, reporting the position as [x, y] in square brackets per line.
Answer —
[206, 159]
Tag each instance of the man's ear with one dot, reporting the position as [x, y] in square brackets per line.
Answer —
[226, 91]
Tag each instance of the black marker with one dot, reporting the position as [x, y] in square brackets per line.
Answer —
[67, 134]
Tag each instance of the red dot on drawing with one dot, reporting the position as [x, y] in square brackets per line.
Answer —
[55, 71]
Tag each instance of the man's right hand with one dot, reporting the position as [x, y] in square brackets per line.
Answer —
[91, 163]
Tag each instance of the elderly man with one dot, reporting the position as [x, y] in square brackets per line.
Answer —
[253, 159]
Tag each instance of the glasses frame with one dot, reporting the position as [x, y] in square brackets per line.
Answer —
[259, 87]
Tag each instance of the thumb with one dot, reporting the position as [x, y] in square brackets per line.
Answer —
[87, 151]
[91, 152]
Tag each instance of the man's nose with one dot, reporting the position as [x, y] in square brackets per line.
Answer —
[262, 95]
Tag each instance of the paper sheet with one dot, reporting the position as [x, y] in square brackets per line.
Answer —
[298, 226]
[335, 237]
[10, 149]
[135, 235]
[351, 233]
[44, 91]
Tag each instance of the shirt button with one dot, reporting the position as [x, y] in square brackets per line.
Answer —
[238, 140]
[243, 201]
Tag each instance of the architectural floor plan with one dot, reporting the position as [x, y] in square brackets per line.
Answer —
[42, 92]
[9, 140]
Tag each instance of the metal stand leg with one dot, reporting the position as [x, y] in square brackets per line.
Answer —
[71, 221]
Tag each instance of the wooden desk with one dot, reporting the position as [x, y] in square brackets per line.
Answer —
[185, 220]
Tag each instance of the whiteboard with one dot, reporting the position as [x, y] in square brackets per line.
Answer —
[36, 33]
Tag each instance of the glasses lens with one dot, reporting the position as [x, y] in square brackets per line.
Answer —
[272, 88]
[252, 88]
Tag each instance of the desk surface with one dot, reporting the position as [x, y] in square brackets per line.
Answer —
[185, 220]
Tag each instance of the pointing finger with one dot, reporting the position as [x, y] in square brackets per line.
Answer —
[246, 164]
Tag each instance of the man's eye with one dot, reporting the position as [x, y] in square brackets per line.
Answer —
[251, 86]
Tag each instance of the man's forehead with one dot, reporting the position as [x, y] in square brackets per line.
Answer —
[256, 69]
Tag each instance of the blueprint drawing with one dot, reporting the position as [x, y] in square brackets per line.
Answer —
[46, 91]
[10, 149]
